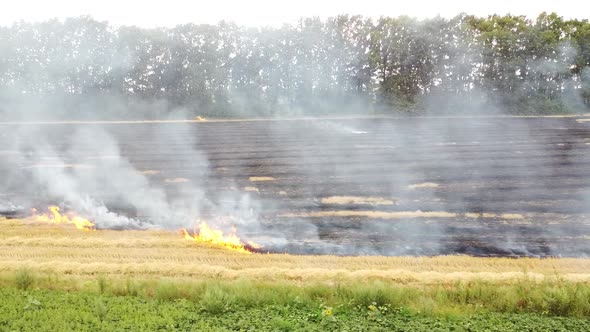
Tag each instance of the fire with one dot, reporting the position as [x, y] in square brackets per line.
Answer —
[55, 217]
[216, 237]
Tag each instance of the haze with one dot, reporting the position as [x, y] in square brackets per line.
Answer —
[269, 12]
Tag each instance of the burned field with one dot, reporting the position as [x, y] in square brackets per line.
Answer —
[379, 186]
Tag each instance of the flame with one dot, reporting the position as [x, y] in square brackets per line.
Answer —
[55, 217]
[216, 237]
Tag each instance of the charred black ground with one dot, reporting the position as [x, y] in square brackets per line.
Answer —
[528, 175]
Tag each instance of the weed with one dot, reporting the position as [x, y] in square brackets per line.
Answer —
[24, 279]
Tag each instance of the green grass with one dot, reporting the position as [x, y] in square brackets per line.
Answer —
[56, 310]
[552, 297]
[47, 303]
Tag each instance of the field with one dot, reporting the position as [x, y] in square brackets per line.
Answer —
[477, 186]
[149, 254]
[57, 277]
[461, 223]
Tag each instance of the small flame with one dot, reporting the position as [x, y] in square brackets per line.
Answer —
[216, 237]
[55, 217]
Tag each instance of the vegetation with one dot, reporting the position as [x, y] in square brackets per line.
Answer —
[58, 278]
[249, 306]
[85, 68]
[23, 279]
[62, 251]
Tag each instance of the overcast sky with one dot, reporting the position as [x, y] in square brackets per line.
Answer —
[149, 13]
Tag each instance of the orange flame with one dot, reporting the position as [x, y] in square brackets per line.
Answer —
[216, 237]
[55, 217]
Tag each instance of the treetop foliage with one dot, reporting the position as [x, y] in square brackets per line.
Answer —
[345, 63]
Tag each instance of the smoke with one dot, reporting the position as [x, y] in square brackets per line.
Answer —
[482, 186]
[82, 168]
[504, 183]
[477, 185]
[61, 171]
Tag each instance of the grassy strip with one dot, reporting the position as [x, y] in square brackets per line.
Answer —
[53, 310]
[551, 297]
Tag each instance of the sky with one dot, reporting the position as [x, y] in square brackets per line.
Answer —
[149, 13]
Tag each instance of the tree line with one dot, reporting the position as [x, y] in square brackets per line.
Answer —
[346, 63]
